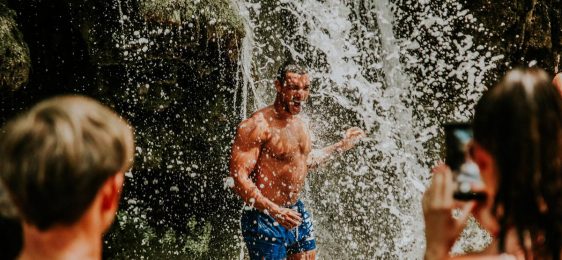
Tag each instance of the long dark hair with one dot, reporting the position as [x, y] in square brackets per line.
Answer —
[519, 121]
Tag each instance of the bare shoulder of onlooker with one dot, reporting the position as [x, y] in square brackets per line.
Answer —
[557, 82]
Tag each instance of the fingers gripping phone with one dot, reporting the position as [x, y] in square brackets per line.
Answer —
[458, 141]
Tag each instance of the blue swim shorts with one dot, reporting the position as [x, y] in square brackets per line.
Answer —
[267, 239]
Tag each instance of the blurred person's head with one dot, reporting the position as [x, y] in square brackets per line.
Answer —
[64, 161]
[518, 137]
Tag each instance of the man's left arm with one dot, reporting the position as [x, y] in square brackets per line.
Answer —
[321, 156]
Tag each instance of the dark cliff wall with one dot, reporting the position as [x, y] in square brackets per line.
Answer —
[525, 31]
[170, 68]
[496, 35]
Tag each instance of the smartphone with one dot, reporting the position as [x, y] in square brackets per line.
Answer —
[458, 139]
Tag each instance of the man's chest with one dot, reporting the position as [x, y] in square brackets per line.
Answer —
[288, 142]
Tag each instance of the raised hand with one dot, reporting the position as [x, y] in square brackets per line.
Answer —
[352, 136]
[288, 218]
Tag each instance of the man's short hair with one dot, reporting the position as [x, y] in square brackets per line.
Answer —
[55, 158]
[289, 66]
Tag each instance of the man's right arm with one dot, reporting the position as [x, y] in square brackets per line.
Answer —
[321, 156]
[244, 155]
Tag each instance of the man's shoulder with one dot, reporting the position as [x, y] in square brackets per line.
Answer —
[258, 118]
[256, 125]
[251, 121]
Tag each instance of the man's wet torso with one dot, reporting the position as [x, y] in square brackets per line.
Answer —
[281, 168]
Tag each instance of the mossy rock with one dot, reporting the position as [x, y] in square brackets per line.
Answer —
[215, 12]
[15, 62]
[216, 18]
[523, 31]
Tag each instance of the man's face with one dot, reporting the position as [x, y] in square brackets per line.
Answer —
[294, 91]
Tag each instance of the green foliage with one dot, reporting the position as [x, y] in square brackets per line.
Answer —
[15, 62]
[132, 238]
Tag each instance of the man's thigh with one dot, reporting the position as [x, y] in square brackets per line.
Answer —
[304, 238]
[263, 238]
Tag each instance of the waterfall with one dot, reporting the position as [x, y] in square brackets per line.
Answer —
[367, 204]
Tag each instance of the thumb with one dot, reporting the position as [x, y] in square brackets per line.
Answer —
[465, 213]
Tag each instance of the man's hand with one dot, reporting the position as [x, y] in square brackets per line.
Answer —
[352, 137]
[288, 218]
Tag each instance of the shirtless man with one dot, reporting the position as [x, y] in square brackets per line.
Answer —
[270, 159]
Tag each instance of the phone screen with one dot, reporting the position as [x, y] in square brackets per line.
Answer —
[458, 139]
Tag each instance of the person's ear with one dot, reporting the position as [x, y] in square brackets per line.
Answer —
[111, 193]
[481, 157]
[278, 86]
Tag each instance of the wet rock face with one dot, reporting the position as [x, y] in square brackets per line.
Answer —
[14, 54]
[161, 42]
[525, 31]
[170, 68]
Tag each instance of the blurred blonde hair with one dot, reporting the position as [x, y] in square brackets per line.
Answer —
[55, 157]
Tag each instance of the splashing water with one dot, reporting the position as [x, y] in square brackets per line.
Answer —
[397, 69]
[367, 204]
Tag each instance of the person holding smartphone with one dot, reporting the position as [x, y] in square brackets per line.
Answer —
[518, 149]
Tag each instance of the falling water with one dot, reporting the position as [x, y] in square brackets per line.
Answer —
[367, 203]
